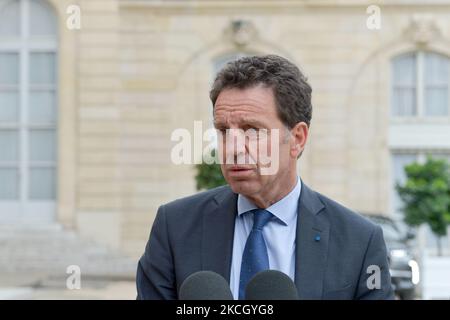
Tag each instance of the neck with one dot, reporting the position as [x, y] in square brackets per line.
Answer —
[275, 191]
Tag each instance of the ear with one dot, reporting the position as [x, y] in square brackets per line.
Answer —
[299, 136]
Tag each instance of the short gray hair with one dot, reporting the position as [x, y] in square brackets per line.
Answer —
[291, 89]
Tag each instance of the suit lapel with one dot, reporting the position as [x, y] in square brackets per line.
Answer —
[310, 256]
[311, 245]
[218, 233]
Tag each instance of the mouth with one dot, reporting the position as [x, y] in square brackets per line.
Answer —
[240, 171]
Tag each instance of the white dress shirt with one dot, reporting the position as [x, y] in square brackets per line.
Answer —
[279, 234]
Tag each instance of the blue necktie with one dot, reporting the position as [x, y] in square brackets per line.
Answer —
[255, 257]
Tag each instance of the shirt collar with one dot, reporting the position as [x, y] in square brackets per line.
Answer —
[285, 209]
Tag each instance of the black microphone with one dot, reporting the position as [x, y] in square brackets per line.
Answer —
[205, 285]
[271, 285]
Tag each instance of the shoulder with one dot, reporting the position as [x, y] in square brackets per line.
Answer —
[182, 218]
[196, 203]
[345, 219]
[351, 234]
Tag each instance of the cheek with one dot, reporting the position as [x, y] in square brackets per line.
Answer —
[253, 150]
[221, 150]
[280, 159]
[222, 168]
[259, 150]
[269, 153]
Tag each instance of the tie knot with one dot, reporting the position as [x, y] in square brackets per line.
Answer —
[260, 218]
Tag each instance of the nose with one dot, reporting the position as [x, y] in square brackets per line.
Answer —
[235, 147]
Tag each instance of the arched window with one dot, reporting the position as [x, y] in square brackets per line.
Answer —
[420, 85]
[420, 91]
[221, 61]
[28, 109]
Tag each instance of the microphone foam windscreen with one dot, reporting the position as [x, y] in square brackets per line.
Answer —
[271, 285]
[205, 285]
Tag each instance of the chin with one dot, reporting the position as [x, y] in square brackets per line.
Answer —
[244, 187]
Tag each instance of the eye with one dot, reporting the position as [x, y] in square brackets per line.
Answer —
[250, 128]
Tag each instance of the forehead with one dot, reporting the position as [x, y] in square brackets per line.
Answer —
[243, 103]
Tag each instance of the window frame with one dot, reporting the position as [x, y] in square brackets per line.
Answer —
[25, 207]
[420, 87]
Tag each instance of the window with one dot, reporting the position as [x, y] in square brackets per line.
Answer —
[399, 161]
[220, 62]
[28, 108]
[436, 85]
[420, 85]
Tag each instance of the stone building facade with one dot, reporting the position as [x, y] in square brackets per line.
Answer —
[136, 70]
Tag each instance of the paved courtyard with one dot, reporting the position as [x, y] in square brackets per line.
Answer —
[93, 289]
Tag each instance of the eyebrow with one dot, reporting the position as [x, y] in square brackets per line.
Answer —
[254, 122]
[249, 121]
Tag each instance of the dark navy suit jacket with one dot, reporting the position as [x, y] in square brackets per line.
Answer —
[196, 233]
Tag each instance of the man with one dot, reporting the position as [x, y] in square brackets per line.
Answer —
[264, 221]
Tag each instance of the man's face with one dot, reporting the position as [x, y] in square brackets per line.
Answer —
[251, 108]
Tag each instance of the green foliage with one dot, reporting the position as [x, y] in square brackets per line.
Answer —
[209, 175]
[426, 195]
